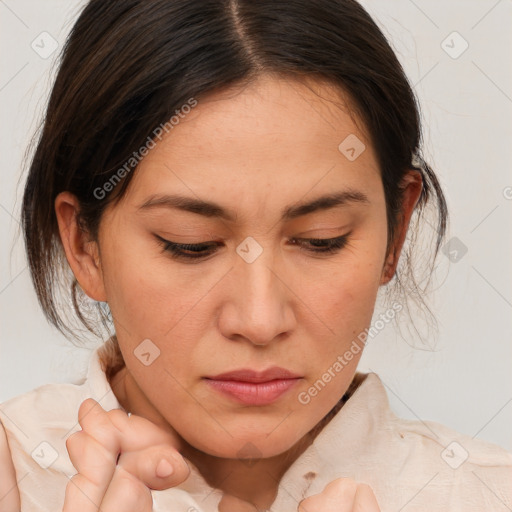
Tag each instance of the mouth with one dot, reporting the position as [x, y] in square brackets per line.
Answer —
[252, 387]
[253, 393]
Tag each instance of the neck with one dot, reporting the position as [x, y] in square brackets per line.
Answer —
[254, 481]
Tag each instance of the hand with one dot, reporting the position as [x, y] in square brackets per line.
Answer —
[341, 495]
[119, 458]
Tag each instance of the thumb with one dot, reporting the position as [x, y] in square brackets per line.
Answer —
[158, 467]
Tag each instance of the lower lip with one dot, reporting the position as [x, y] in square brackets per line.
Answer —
[252, 393]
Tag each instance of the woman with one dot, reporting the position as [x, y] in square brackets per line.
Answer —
[235, 181]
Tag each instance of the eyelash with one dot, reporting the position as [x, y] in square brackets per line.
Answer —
[333, 245]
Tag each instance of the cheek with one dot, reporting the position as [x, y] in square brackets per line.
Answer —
[343, 297]
[343, 292]
[144, 296]
[150, 300]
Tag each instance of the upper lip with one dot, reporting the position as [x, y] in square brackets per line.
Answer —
[249, 375]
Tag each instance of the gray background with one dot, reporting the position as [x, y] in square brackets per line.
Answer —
[460, 378]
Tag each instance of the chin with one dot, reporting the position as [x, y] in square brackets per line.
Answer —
[244, 446]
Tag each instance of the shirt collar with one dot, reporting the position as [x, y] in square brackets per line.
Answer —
[349, 430]
[343, 436]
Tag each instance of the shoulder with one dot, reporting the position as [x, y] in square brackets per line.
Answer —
[9, 493]
[450, 467]
[35, 427]
[428, 439]
[442, 443]
[420, 464]
[56, 404]
[51, 410]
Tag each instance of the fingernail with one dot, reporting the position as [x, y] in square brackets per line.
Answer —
[164, 469]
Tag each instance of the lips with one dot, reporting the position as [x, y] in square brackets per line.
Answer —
[251, 387]
[249, 375]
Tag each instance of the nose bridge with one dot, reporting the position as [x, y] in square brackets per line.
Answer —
[254, 270]
[261, 304]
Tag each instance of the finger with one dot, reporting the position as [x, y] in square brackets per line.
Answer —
[126, 493]
[81, 494]
[96, 422]
[90, 458]
[149, 452]
[365, 500]
[337, 496]
[95, 468]
[139, 433]
[158, 467]
[229, 503]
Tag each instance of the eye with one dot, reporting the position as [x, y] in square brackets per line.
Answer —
[322, 245]
[188, 251]
[203, 250]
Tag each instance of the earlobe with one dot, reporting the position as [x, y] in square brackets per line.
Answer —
[388, 271]
[411, 187]
[82, 253]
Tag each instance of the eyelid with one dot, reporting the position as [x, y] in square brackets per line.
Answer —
[221, 240]
[332, 246]
[339, 229]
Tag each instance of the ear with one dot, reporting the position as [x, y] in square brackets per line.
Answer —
[82, 253]
[411, 187]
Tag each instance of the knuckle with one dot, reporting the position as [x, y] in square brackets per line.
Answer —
[75, 484]
[345, 485]
[103, 431]
[131, 488]
[311, 503]
[74, 441]
[75, 436]
[74, 480]
[87, 454]
[338, 489]
[86, 407]
[117, 414]
[118, 419]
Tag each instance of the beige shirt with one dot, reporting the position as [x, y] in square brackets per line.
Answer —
[412, 466]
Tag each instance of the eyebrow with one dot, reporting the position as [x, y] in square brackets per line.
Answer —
[214, 210]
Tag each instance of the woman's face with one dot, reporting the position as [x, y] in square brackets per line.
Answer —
[257, 299]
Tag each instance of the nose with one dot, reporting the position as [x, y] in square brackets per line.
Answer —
[260, 303]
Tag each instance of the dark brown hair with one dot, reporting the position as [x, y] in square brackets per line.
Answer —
[128, 65]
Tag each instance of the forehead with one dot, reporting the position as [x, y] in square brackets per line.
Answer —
[274, 139]
[269, 109]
